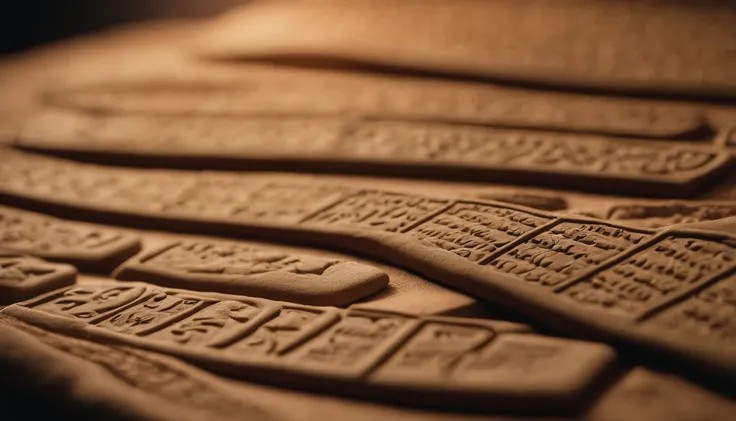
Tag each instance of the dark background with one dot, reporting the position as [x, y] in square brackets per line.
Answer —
[27, 23]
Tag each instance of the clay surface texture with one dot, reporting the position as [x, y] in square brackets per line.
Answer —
[238, 269]
[85, 246]
[23, 277]
[458, 362]
[584, 273]
[532, 41]
[374, 146]
[253, 90]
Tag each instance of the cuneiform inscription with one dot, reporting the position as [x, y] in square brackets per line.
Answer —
[217, 325]
[60, 240]
[247, 335]
[475, 231]
[709, 313]
[144, 372]
[669, 266]
[291, 326]
[272, 202]
[90, 303]
[19, 270]
[235, 259]
[564, 251]
[393, 212]
[182, 194]
[237, 268]
[153, 314]
[25, 231]
[532, 150]
[22, 277]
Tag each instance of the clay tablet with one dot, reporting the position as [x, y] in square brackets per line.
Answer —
[583, 274]
[460, 363]
[299, 95]
[632, 46]
[88, 247]
[244, 270]
[23, 277]
[381, 147]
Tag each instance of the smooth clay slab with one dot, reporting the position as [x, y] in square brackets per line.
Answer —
[23, 277]
[437, 150]
[611, 282]
[631, 46]
[235, 268]
[457, 363]
[88, 247]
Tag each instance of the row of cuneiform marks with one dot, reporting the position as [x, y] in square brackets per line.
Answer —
[566, 250]
[349, 344]
[709, 313]
[671, 267]
[377, 210]
[476, 231]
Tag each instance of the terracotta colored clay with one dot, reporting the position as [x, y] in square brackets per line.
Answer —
[569, 272]
[382, 147]
[23, 277]
[570, 43]
[238, 269]
[88, 247]
[356, 352]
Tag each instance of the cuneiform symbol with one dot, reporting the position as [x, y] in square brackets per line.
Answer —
[668, 268]
[393, 212]
[287, 341]
[565, 251]
[476, 231]
[710, 313]
[89, 303]
[220, 258]
[517, 149]
[217, 325]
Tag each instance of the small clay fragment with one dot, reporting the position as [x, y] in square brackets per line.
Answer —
[23, 277]
[233, 268]
[88, 247]
[464, 364]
